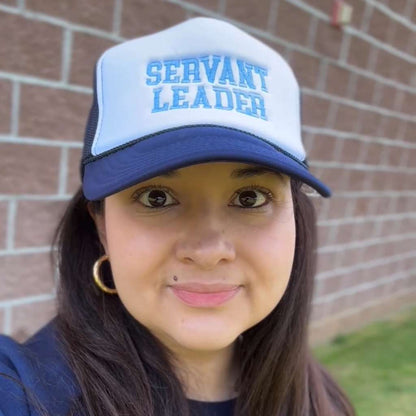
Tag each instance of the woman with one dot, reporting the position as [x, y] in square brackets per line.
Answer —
[187, 258]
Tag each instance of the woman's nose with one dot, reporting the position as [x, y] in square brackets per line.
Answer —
[205, 244]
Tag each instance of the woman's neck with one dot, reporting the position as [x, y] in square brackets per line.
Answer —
[208, 376]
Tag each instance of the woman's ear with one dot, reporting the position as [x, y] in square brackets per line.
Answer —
[99, 220]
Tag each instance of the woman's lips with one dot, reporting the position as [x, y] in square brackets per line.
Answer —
[200, 295]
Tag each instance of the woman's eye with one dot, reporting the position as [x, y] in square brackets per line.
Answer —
[252, 198]
[155, 198]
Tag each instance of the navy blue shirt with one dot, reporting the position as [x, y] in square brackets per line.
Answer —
[39, 365]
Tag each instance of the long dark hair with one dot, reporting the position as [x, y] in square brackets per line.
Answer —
[122, 369]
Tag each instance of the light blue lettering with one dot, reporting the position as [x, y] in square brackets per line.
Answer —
[257, 106]
[153, 70]
[201, 98]
[171, 71]
[211, 71]
[191, 69]
[156, 101]
[262, 73]
[178, 100]
[245, 75]
[241, 102]
[219, 91]
[227, 75]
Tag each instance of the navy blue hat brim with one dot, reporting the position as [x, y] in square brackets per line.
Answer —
[153, 155]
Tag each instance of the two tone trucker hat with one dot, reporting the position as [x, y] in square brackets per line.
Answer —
[197, 92]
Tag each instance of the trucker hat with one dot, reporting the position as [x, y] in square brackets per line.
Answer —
[200, 91]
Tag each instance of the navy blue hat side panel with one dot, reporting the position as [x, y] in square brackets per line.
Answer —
[91, 126]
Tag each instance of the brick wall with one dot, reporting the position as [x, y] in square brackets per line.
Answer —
[359, 104]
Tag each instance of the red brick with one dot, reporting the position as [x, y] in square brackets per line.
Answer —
[406, 73]
[322, 149]
[349, 257]
[330, 285]
[324, 6]
[323, 235]
[364, 90]
[36, 222]
[359, 52]
[96, 13]
[3, 224]
[373, 153]
[356, 180]
[391, 127]
[207, 4]
[337, 80]
[394, 156]
[25, 275]
[362, 207]
[379, 25]
[52, 113]
[249, 12]
[305, 67]
[345, 233]
[328, 40]
[86, 51]
[142, 17]
[398, 6]
[381, 180]
[9, 2]
[5, 105]
[364, 231]
[411, 157]
[281, 50]
[326, 262]
[335, 178]
[388, 97]
[346, 118]
[403, 37]
[410, 133]
[34, 49]
[409, 103]
[28, 319]
[370, 123]
[314, 111]
[381, 205]
[387, 64]
[28, 169]
[292, 23]
[73, 180]
[351, 150]
[337, 208]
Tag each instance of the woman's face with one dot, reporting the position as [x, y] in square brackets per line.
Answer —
[201, 254]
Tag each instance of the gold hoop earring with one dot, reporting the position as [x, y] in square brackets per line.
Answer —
[97, 277]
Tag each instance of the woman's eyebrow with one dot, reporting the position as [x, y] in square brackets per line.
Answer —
[254, 171]
[170, 174]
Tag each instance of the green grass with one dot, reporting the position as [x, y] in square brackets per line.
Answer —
[376, 366]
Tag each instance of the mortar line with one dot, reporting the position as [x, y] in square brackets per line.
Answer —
[66, 55]
[15, 110]
[7, 326]
[11, 224]
[118, 7]
[365, 286]
[63, 171]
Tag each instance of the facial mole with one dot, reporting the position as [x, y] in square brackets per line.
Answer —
[175, 278]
